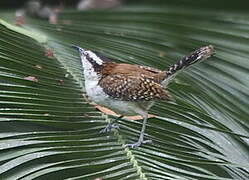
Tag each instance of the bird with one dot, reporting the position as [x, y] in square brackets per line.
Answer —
[131, 89]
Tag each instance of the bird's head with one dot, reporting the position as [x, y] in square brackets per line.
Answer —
[92, 62]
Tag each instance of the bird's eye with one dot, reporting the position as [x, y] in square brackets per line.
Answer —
[83, 52]
[86, 53]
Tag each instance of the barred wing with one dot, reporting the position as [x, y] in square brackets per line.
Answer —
[133, 88]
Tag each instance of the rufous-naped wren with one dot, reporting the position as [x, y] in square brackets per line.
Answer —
[130, 89]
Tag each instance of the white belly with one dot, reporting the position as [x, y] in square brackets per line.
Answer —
[97, 95]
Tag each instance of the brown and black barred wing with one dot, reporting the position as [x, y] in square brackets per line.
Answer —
[132, 88]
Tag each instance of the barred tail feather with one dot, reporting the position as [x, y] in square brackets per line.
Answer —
[196, 56]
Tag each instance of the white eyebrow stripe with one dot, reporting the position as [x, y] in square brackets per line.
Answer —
[95, 57]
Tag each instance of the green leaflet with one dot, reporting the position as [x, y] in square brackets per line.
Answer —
[38, 37]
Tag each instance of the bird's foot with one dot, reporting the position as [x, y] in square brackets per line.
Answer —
[137, 144]
[109, 127]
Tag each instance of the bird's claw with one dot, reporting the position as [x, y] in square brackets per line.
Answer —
[137, 144]
[108, 128]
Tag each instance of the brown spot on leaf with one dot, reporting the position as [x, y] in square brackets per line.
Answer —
[112, 113]
[31, 78]
[61, 82]
[49, 53]
[19, 21]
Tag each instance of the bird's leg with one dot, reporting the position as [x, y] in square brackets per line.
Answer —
[111, 125]
[141, 137]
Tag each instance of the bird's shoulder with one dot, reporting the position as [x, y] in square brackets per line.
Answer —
[131, 70]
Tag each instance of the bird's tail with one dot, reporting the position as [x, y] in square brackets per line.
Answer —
[196, 56]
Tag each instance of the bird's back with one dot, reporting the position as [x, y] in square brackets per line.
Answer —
[132, 83]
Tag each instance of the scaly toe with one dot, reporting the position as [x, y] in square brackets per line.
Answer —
[137, 144]
[108, 128]
[147, 142]
[134, 145]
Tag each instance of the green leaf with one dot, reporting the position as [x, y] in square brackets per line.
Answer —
[49, 130]
[38, 37]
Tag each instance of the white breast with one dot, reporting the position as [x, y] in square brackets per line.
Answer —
[95, 92]
[97, 95]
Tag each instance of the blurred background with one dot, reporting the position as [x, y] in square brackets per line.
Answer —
[73, 3]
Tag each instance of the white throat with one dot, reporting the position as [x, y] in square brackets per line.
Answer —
[88, 69]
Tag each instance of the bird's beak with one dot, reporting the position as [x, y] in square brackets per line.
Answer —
[81, 50]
